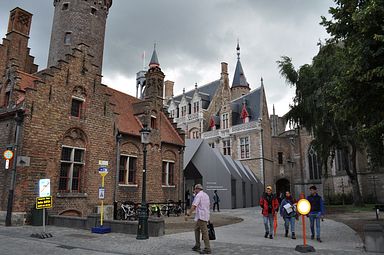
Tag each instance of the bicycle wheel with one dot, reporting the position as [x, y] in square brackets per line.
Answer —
[120, 214]
[164, 210]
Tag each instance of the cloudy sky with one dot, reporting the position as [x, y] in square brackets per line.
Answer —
[194, 37]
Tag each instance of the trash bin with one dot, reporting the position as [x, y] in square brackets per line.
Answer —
[37, 217]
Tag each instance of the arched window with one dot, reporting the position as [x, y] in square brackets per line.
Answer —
[314, 164]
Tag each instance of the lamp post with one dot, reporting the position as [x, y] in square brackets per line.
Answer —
[142, 227]
[304, 207]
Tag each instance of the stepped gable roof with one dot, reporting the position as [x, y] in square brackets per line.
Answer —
[206, 93]
[26, 80]
[128, 123]
[252, 100]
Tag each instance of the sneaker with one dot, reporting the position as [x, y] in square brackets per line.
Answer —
[266, 235]
[205, 251]
[312, 237]
[195, 248]
[270, 237]
[319, 240]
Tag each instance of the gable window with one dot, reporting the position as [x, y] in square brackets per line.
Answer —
[67, 38]
[71, 169]
[224, 121]
[128, 169]
[196, 107]
[183, 111]
[314, 164]
[280, 158]
[172, 113]
[168, 170]
[7, 98]
[227, 147]
[244, 147]
[76, 107]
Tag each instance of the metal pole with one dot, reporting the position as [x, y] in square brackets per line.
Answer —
[118, 140]
[262, 156]
[142, 227]
[19, 120]
[43, 220]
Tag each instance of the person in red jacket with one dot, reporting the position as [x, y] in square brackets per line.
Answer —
[270, 206]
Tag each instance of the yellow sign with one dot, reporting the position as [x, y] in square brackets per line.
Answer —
[8, 154]
[43, 202]
[303, 206]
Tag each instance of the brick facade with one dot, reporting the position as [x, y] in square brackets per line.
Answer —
[61, 140]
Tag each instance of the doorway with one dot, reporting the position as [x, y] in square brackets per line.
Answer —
[282, 185]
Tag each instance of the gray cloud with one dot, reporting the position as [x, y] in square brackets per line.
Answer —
[193, 37]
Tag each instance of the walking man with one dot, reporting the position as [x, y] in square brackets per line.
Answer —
[288, 212]
[216, 200]
[270, 206]
[316, 213]
[201, 205]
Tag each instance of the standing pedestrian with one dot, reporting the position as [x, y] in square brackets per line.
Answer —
[270, 206]
[316, 213]
[201, 204]
[216, 201]
[187, 199]
[288, 212]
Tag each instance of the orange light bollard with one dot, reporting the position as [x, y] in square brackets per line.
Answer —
[304, 207]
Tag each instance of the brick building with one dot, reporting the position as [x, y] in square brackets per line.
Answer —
[68, 120]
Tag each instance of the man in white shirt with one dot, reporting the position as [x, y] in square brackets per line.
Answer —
[201, 204]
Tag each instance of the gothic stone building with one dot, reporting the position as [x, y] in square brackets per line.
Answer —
[67, 120]
[233, 119]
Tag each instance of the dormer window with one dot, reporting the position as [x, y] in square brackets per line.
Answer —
[183, 111]
[196, 107]
[76, 107]
[224, 121]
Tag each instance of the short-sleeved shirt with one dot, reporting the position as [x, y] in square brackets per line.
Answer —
[202, 203]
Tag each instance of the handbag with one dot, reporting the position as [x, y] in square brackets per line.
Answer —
[211, 231]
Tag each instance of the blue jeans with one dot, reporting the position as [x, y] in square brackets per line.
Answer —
[268, 227]
[288, 220]
[312, 219]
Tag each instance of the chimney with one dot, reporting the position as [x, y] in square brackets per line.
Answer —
[224, 68]
[168, 89]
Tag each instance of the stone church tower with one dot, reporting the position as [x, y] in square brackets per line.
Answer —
[75, 22]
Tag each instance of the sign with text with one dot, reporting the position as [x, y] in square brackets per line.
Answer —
[103, 171]
[103, 162]
[44, 187]
[101, 193]
[43, 202]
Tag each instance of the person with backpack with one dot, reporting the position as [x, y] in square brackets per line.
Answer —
[270, 206]
[288, 212]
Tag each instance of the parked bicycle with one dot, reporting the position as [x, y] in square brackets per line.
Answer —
[127, 211]
[171, 208]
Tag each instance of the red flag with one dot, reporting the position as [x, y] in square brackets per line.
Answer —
[212, 123]
[244, 113]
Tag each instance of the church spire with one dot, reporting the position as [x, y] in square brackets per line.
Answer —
[154, 60]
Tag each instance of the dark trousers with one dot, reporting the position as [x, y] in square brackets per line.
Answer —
[214, 206]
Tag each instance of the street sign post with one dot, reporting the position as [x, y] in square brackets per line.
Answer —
[44, 200]
[103, 171]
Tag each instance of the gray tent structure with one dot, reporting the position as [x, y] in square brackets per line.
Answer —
[236, 184]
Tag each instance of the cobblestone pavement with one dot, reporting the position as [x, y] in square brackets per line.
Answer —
[245, 237]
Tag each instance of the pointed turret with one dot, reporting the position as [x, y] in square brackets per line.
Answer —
[154, 60]
[239, 79]
[240, 85]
